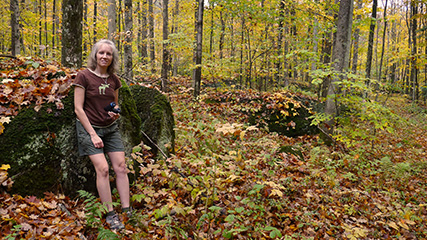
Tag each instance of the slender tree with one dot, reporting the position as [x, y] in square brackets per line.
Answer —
[142, 31]
[197, 72]
[383, 41]
[414, 57]
[127, 46]
[95, 17]
[151, 34]
[54, 26]
[340, 56]
[280, 41]
[371, 39]
[174, 29]
[14, 23]
[166, 65]
[356, 39]
[72, 16]
[112, 26]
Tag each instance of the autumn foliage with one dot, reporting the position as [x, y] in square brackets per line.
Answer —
[231, 180]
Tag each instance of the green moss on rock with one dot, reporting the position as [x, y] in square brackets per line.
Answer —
[156, 114]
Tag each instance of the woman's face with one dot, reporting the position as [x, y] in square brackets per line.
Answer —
[104, 56]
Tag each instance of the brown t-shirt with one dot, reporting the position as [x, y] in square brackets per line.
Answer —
[99, 93]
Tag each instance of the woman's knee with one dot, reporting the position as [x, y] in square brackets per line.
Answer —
[102, 171]
[121, 169]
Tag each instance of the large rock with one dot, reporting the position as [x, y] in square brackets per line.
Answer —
[41, 147]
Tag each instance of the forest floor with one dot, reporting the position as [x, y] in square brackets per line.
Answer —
[230, 180]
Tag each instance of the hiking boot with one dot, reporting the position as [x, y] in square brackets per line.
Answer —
[128, 212]
[114, 222]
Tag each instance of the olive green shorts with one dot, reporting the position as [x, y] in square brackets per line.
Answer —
[110, 136]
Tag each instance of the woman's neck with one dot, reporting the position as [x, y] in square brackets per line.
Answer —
[101, 71]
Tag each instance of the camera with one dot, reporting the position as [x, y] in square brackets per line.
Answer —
[111, 108]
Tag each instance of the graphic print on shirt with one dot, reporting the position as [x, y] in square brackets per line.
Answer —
[102, 88]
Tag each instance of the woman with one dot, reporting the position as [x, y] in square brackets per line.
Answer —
[96, 88]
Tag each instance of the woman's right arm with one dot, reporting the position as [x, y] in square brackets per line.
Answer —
[79, 99]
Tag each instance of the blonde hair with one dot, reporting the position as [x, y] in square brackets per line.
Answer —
[91, 61]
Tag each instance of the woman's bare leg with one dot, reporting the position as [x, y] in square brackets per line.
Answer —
[122, 181]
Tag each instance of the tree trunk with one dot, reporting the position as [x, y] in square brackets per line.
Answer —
[383, 42]
[166, 55]
[112, 27]
[14, 23]
[197, 72]
[85, 26]
[279, 53]
[242, 43]
[175, 30]
[151, 34]
[54, 25]
[340, 56]
[221, 36]
[371, 39]
[356, 40]
[128, 40]
[95, 16]
[414, 70]
[327, 53]
[142, 33]
[72, 14]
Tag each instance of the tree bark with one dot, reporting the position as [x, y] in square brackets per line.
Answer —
[166, 54]
[371, 39]
[175, 30]
[383, 42]
[356, 40]
[14, 23]
[54, 26]
[327, 51]
[279, 53]
[414, 68]
[128, 40]
[112, 27]
[142, 33]
[151, 34]
[95, 16]
[340, 56]
[197, 72]
[72, 14]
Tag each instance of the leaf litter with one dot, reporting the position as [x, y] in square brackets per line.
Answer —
[228, 179]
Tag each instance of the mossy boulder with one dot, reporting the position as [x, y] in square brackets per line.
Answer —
[287, 113]
[41, 146]
[158, 122]
[295, 122]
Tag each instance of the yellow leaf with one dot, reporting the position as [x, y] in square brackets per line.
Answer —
[393, 225]
[5, 120]
[242, 135]
[276, 192]
[403, 225]
[410, 222]
[4, 167]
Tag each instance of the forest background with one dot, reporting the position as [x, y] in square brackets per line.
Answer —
[365, 60]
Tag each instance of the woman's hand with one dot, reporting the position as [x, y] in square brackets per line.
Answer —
[114, 115]
[97, 141]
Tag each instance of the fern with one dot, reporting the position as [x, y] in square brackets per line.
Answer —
[107, 234]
